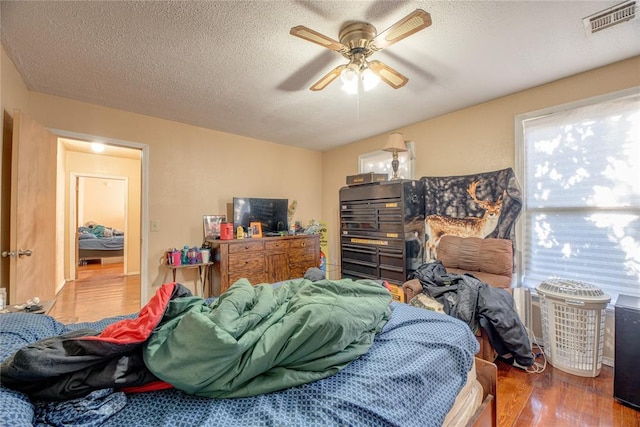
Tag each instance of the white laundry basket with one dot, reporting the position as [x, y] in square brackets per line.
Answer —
[573, 315]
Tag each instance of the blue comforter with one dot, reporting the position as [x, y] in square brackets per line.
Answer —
[418, 361]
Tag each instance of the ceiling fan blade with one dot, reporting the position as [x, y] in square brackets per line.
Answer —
[388, 74]
[410, 24]
[328, 78]
[317, 38]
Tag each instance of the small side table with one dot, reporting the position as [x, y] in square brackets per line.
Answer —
[46, 308]
[203, 270]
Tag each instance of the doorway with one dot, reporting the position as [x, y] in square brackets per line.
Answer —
[118, 163]
[100, 221]
[29, 261]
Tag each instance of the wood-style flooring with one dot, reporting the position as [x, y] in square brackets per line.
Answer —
[102, 290]
[549, 399]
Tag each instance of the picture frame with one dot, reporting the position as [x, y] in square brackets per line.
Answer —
[211, 226]
[256, 229]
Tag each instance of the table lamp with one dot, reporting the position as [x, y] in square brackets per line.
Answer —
[395, 144]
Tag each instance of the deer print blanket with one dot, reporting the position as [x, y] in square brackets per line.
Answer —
[481, 205]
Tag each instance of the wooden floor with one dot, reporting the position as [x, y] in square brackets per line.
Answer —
[549, 399]
[102, 290]
[556, 398]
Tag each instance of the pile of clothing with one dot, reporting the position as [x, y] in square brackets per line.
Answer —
[478, 304]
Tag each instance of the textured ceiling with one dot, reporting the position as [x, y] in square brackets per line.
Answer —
[233, 66]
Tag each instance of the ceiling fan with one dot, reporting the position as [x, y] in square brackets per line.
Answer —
[358, 41]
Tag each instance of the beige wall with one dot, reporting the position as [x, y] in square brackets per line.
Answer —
[86, 164]
[13, 92]
[102, 201]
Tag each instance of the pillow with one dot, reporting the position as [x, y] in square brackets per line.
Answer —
[488, 255]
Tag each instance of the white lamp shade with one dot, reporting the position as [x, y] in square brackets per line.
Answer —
[369, 80]
[395, 143]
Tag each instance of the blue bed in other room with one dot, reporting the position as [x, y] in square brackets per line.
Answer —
[409, 377]
[98, 242]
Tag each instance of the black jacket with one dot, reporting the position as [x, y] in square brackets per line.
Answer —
[476, 303]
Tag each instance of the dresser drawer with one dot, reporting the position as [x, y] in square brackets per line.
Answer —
[244, 263]
[247, 246]
[276, 244]
[302, 243]
[303, 255]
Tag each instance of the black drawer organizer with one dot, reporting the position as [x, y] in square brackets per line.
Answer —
[382, 230]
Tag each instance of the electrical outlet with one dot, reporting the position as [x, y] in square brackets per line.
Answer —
[155, 225]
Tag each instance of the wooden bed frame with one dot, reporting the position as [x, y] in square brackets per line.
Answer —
[487, 414]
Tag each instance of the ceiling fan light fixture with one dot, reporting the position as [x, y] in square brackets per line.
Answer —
[350, 88]
[369, 79]
[358, 41]
[349, 75]
[355, 77]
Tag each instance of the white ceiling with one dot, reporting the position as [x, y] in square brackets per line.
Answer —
[233, 66]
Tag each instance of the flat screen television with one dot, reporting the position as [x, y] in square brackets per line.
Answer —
[271, 213]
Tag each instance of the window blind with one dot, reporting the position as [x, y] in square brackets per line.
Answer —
[581, 214]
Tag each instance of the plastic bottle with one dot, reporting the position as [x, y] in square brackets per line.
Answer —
[185, 255]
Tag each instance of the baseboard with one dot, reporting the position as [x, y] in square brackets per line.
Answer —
[112, 260]
[60, 286]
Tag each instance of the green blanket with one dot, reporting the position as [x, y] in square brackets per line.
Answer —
[259, 339]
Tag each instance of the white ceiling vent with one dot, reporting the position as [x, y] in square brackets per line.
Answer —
[610, 17]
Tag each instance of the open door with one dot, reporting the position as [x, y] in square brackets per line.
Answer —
[32, 244]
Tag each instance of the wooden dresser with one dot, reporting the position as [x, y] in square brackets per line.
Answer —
[263, 260]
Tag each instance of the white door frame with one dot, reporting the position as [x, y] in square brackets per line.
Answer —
[144, 197]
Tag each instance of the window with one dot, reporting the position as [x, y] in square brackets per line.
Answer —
[579, 167]
[380, 162]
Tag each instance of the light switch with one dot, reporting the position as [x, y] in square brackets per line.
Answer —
[155, 225]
